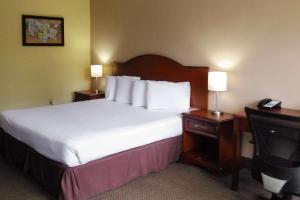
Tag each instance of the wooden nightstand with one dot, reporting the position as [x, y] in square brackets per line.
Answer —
[208, 141]
[87, 95]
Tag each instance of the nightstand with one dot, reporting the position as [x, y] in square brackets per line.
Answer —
[87, 95]
[208, 141]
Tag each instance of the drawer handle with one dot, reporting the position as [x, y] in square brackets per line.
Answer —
[199, 126]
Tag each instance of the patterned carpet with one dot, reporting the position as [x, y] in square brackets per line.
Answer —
[178, 182]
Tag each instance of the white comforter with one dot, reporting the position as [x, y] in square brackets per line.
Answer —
[77, 133]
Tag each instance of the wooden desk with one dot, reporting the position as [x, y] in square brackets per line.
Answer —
[241, 125]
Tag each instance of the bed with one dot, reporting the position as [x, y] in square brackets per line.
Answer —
[72, 149]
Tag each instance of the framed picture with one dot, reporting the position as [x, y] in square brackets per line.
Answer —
[42, 31]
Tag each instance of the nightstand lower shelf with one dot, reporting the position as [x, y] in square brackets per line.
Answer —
[204, 160]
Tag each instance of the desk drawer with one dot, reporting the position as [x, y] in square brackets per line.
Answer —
[201, 127]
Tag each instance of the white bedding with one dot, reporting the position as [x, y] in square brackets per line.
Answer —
[77, 133]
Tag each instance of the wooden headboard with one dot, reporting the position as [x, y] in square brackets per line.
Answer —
[155, 67]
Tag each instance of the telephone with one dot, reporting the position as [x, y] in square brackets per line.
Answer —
[269, 104]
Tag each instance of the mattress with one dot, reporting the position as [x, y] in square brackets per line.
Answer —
[77, 133]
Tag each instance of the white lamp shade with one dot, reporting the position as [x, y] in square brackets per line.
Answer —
[96, 70]
[217, 81]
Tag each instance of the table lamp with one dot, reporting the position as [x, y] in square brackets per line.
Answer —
[96, 71]
[217, 82]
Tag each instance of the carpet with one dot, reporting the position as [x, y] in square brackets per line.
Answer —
[178, 182]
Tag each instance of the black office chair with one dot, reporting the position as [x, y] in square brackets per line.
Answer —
[276, 161]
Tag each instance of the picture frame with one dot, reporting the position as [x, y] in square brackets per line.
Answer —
[42, 31]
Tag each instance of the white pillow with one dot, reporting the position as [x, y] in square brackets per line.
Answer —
[124, 89]
[168, 95]
[110, 87]
[139, 95]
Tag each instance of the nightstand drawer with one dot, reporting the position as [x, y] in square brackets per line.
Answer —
[87, 95]
[200, 127]
[81, 97]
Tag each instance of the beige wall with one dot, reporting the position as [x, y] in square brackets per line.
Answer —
[256, 41]
[29, 76]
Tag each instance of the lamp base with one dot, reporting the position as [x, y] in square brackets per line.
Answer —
[217, 113]
[96, 91]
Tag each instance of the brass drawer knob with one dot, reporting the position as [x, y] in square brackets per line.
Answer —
[200, 126]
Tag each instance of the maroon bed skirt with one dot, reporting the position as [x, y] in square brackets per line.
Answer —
[84, 181]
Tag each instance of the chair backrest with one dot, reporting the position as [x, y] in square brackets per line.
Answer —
[276, 137]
